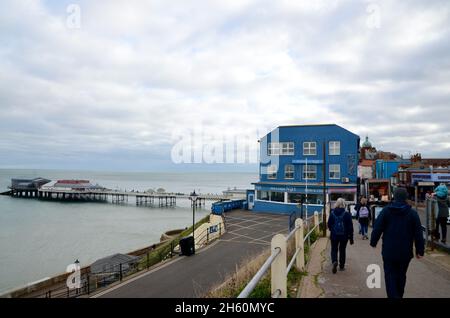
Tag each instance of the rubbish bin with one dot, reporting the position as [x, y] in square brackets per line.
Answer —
[187, 246]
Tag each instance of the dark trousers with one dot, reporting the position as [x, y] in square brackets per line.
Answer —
[338, 245]
[364, 229]
[395, 277]
[443, 223]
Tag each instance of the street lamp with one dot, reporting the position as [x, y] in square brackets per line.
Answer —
[193, 197]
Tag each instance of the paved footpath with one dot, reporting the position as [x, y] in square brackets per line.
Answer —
[248, 234]
[426, 278]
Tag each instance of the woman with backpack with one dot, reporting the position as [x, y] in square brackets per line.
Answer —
[363, 217]
[340, 225]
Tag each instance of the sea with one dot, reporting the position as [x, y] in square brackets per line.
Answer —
[39, 239]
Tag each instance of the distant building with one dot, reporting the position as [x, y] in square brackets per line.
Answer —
[376, 171]
[367, 152]
[423, 174]
[28, 184]
[79, 185]
[386, 169]
[366, 169]
[291, 168]
[235, 193]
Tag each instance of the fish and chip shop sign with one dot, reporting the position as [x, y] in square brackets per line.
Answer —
[435, 177]
[287, 189]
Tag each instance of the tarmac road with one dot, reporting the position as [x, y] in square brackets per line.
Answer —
[248, 234]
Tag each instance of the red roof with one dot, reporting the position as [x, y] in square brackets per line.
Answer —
[367, 163]
[73, 181]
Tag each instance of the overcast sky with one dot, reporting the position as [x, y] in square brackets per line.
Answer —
[109, 88]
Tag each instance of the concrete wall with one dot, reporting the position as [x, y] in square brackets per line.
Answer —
[215, 221]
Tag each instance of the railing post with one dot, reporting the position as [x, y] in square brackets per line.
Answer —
[300, 245]
[148, 260]
[278, 268]
[327, 214]
[316, 223]
[120, 275]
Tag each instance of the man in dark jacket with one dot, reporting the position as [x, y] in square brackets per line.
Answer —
[401, 228]
[340, 225]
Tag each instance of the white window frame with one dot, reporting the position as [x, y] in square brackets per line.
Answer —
[305, 173]
[290, 171]
[280, 149]
[287, 148]
[334, 148]
[259, 194]
[272, 172]
[332, 169]
[307, 148]
[273, 149]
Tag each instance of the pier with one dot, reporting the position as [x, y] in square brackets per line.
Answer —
[116, 197]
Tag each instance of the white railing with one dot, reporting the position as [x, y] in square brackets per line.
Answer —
[277, 261]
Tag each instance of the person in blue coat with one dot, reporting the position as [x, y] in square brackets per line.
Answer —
[401, 229]
[340, 225]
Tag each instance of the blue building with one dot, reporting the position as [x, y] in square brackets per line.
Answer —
[386, 169]
[291, 168]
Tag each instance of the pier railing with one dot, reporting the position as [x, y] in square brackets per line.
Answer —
[278, 259]
[114, 196]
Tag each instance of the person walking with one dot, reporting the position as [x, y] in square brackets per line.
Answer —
[443, 201]
[363, 217]
[357, 207]
[340, 225]
[400, 226]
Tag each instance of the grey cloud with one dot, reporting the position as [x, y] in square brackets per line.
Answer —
[122, 84]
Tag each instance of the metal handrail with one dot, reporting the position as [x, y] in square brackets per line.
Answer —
[291, 263]
[309, 233]
[275, 252]
[259, 275]
[292, 233]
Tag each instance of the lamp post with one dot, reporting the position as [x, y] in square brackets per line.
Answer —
[193, 197]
